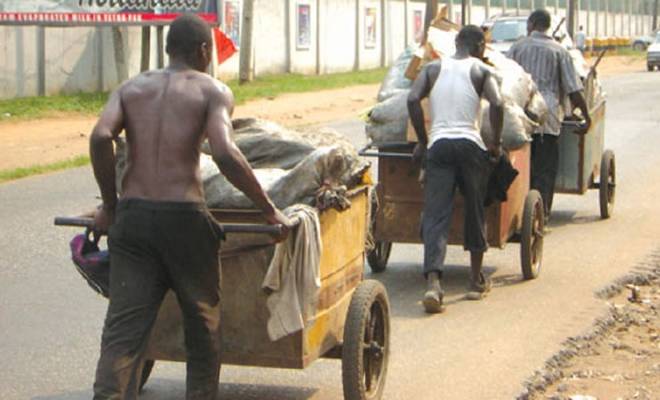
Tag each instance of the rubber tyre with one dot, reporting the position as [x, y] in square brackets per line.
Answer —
[531, 236]
[607, 186]
[366, 344]
[379, 256]
[638, 46]
[649, 68]
[146, 372]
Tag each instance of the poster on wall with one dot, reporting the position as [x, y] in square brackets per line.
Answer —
[370, 21]
[303, 26]
[102, 12]
[418, 25]
[231, 23]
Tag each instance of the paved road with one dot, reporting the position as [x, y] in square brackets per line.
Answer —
[50, 321]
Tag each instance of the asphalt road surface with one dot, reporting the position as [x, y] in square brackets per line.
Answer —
[50, 321]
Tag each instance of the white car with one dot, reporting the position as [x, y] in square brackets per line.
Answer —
[653, 54]
[505, 30]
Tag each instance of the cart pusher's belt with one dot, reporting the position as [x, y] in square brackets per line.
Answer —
[276, 230]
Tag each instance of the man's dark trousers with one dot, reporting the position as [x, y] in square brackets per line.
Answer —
[545, 164]
[156, 246]
[451, 163]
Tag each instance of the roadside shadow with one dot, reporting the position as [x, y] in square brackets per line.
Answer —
[508, 280]
[561, 218]
[405, 285]
[77, 395]
[257, 392]
[169, 389]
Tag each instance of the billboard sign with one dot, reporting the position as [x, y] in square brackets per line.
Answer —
[102, 12]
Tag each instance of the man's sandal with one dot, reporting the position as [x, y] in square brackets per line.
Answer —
[479, 290]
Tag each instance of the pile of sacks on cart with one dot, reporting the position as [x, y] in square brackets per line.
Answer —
[524, 106]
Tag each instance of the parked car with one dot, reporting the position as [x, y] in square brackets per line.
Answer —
[653, 54]
[505, 30]
[641, 43]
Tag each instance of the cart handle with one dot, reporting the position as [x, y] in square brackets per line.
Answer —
[275, 230]
[372, 151]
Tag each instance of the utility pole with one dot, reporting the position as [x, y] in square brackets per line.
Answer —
[597, 18]
[406, 18]
[431, 12]
[451, 10]
[570, 23]
[487, 4]
[629, 4]
[146, 48]
[517, 7]
[469, 11]
[246, 61]
[623, 17]
[588, 27]
[463, 12]
[607, 17]
[655, 16]
[504, 6]
[556, 7]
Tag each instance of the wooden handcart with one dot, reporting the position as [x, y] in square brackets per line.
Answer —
[352, 320]
[400, 201]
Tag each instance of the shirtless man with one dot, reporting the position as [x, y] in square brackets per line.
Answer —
[160, 234]
[455, 155]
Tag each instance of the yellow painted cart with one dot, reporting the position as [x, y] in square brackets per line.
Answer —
[351, 321]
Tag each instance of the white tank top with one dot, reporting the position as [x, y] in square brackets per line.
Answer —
[455, 104]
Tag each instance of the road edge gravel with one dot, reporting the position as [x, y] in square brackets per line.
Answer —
[643, 273]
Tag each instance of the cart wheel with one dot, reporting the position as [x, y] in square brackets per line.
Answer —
[365, 351]
[607, 188]
[531, 237]
[379, 256]
[146, 371]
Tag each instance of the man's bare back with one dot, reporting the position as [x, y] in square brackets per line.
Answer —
[165, 121]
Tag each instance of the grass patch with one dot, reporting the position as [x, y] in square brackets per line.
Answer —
[262, 87]
[18, 173]
[630, 52]
[39, 107]
[274, 85]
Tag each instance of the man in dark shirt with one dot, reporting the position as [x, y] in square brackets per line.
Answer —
[552, 69]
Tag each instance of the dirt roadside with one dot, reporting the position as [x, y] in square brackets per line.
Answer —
[619, 359]
[44, 141]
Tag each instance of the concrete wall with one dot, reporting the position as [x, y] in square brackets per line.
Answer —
[83, 59]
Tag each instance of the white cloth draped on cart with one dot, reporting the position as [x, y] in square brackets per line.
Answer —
[293, 278]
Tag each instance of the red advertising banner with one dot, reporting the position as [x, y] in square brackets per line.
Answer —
[102, 12]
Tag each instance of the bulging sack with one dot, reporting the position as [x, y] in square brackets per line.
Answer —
[293, 167]
[395, 81]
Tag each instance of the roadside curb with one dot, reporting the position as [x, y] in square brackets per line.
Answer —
[644, 273]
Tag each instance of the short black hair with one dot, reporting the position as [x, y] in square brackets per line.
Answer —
[186, 33]
[470, 36]
[540, 19]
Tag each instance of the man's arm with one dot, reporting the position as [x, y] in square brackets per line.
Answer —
[578, 101]
[230, 160]
[102, 155]
[491, 92]
[571, 84]
[420, 90]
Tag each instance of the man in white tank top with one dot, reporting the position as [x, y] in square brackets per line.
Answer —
[455, 155]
